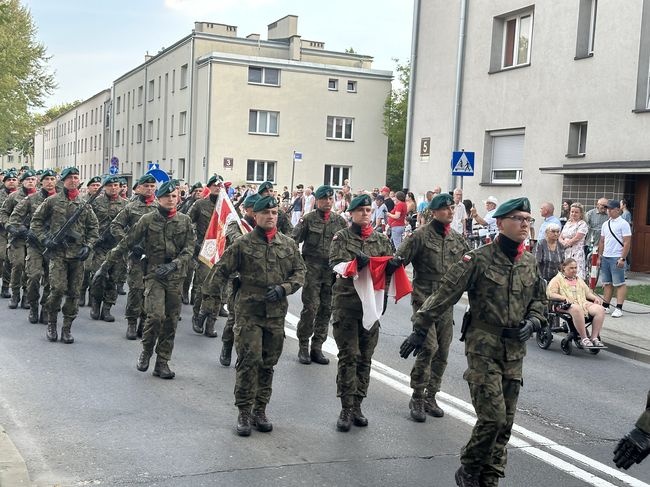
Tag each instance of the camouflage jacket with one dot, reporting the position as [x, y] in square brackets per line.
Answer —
[164, 240]
[129, 216]
[24, 210]
[345, 246]
[201, 213]
[106, 210]
[260, 264]
[317, 235]
[644, 420]
[50, 216]
[7, 208]
[501, 294]
[431, 255]
[284, 223]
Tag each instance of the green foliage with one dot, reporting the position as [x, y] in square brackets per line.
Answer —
[24, 80]
[395, 111]
[350, 50]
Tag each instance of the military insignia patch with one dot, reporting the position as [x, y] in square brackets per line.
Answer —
[335, 237]
[467, 258]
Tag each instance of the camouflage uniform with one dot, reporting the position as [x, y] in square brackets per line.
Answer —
[431, 254]
[501, 295]
[259, 329]
[16, 250]
[5, 266]
[284, 223]
[200, 213]
[356, 344]
[317, 234]
[184, 207]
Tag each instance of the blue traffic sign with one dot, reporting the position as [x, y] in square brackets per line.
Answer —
[153, 165]
[462, 164]
[297, 156]
[113, 170]
[115, 161]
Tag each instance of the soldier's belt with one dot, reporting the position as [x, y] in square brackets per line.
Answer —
[154, 261]
[511, 333]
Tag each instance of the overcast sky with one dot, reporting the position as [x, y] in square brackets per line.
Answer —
[93, 42]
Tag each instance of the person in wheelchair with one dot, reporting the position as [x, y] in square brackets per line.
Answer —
[576, 299]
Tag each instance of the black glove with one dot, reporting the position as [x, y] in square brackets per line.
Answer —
[393, 264]
[274, 293]
[137, 252]
[83, 253]
[632, 448]
[163, 270]
[413, 343]
[49, 243]
[362, 260]
[526, 329]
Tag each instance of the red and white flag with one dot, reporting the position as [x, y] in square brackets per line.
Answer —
[214, 242]
[370, 284]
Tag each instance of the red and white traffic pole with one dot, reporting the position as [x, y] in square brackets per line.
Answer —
[593, 274]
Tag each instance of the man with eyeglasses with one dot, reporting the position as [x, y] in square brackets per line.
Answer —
[507, 302]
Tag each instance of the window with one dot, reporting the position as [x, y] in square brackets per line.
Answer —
[151, 90]
[333, 84]
[260, 171]
[182, 122]
[139, 134]
[335, 175]
[516, 40]
[171, 127]
[577, 139]
[159, 85]
[117, 138]
[264, 76]
[100, 142]
[150, 130]
[642, 99]
[340, 128]
[140, 94]
[158, 129]
[132, 128]
[506, 152]
[261, 122]
[586, 28]
[352, 86]
[173, 80]
[183, 76]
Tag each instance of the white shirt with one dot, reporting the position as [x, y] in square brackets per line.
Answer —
[491, 221]
[621, 229]
[460, 214]
[309, 203]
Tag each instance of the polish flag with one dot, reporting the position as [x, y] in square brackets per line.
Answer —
[214, 242]
[370, 284]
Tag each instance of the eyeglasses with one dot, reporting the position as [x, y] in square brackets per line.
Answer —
[521, 219]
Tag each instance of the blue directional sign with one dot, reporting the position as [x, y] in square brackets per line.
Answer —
[153, 165]
[115, 161]
[462, 164]
[297, 156]
[113, 170]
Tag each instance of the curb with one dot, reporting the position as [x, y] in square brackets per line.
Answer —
[13, 471]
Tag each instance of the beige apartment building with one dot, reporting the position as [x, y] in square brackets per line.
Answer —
[14, 159]
[552, 97]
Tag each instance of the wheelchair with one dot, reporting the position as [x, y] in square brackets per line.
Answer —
[560, 321]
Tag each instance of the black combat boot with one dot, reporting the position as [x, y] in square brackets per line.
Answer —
[131, 333]
[51, 332]
[95, 308]
[222, 312]
[23, 301]
[120, 289]
[431, 407]
[316, 355]
[244, 422]
[15, 300]
[209, 327]
[5, 292]
[161, 369]
[303, 353]
[489, 479]
[42, 317]
[260, 421]
[143, 361]
[357, 416]
[198, 321]
[466, 479]
[226, 354]
[106, 313]
[140, 328]
[66, 337]
[33, 313]
[344, 423]
[416, 405]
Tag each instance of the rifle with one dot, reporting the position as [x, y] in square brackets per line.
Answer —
[65, 232]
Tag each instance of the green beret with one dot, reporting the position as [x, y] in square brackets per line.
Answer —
[515, 204]
[111, 180]
[27, 174]
[69, 171]
[146, 178]
[264, 186]
[25, 168]
[441, 201]
[214, 180]
[265, 202]
[10, 175]
[47, 173]
[93, 180]
[166, 188]
[122, 181]
[361, 200]
[195, 186]
[324, 191]
[250, 201]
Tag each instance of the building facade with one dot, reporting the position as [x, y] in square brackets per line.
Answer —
[552, 97]
[14, 159]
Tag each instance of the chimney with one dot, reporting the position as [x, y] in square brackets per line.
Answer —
[284, 28]
[216, 29]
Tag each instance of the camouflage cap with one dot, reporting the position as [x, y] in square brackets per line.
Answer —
[360, 200]
[10, 175]
[147, 178]
[264, 186]
[441, 201]
[111, 180]
[47, 173]
[250, 201]
[264, 203]
[93, 180]
[195, 186]
[216, 179]
[166, 188]
[69, 171]
[27, 174]
[515, 204]
[324, 191]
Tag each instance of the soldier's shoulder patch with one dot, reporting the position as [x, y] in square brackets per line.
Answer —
[467, 258]
[301, 220]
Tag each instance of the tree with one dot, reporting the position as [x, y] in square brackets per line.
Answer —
[24, 79]
[395, 111]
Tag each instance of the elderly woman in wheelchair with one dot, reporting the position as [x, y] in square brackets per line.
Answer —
[572, 296]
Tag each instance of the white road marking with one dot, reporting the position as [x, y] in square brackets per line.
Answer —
[464, 411]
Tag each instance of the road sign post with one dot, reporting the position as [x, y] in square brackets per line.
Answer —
[297, 156]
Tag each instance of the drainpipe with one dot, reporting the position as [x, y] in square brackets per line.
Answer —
[206, 158]
[144, 122]
[190, 133]
[408, 150]
[458, 97]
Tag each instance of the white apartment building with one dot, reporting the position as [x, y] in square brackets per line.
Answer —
[76, 138]
[552, 97]
[14, 159]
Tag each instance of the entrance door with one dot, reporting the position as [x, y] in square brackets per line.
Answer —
[641, 226]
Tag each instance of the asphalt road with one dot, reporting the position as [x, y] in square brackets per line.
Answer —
[82, 414]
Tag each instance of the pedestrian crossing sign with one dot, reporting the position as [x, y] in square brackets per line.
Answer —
[462, 164]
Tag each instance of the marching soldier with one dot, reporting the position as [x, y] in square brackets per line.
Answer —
[433, 248]
[10, 182]
[106, 207]
[167, 239]
[284, 224]
[316, 229]
[92, 186]
[16, 251]
[66, 257]
[635, 446]
[184, 207]
[270, 268]
[507, 301]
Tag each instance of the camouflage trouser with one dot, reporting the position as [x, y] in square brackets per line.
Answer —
[188, 278]
[258, 342]
[431, 361]
[120, 273]
[162, 305]
[134, 298]
[200, 274]
[316, 305]
[5, 265]
[36, 268]
[356, 346]
[65, 280]
[227, 336]
[494, 386]
[88, 273]
[16, 252]
[104, 290]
